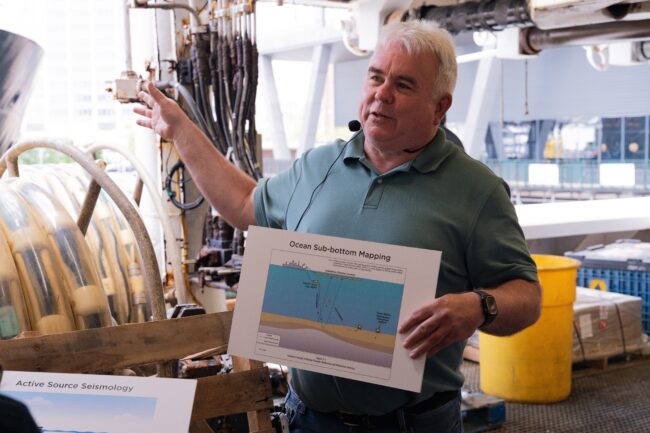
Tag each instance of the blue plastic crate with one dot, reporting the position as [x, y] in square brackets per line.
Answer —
[623, 266]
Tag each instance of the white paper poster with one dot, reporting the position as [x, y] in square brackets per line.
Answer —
[75, 403]
[332, 305]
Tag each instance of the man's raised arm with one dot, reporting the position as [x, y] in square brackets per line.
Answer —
[228, 189]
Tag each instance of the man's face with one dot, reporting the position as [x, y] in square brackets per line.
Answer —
[397, 108]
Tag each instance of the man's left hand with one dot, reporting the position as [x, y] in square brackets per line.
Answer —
[436, 325]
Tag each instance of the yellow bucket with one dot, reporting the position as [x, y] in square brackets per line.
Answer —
[534, 365]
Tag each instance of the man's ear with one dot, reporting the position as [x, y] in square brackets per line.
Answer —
[442, 106]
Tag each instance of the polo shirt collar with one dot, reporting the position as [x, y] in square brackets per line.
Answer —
[434, 154]
[429, 160]
[354, 148]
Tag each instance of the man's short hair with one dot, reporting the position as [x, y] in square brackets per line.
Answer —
[419, 36]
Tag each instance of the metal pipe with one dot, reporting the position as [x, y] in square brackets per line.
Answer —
[13, 167]
[151, 272]
[474, 16]
[137, 191]
[315, 3]
[128, 62]
[194, 17]
[88, 206]
[533, 40]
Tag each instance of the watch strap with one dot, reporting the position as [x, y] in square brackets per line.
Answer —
[488, 306]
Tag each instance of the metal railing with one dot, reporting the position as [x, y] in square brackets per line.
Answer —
[574, 175]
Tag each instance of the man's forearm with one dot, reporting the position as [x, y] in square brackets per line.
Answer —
[228, 189]
[519, 304]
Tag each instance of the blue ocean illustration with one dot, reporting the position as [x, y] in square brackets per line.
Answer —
[332, 299]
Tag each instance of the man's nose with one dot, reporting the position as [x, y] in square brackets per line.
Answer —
[384, 93]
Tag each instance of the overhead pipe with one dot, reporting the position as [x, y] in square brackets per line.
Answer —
[341, 4]
[195, 19]
[470, 16]
[126, 24]
[496, 15]
[533, 40]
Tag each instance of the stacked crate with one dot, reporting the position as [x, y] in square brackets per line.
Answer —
[620, 267]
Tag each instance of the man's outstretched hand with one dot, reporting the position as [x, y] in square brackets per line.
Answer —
[161, 114]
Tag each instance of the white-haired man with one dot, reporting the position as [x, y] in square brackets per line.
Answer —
[397, 181]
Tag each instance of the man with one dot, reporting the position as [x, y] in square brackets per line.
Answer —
[398, 181]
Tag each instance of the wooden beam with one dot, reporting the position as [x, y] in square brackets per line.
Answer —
[210, 352]
[232, 393]
[258, 421]
[105, 349]
[200, 426]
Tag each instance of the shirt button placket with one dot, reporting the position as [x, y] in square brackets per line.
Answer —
[374, 193]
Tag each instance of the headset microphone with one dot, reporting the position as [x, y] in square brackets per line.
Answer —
[354, 125]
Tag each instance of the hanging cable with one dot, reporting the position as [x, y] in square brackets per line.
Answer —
[222, 79]
[187, 96]
[169, 180]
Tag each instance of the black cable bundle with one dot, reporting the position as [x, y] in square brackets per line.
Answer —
[224, 88]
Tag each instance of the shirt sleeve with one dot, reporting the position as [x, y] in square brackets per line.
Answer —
[497, 251]
[273, 195]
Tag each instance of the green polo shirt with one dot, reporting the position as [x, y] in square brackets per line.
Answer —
[441, 200]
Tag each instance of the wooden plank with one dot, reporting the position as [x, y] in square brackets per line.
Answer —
[243, 364]
[210, 352]
[105, 349]
[232, 393]
[255, 364]
[607, 366]
[259, 421]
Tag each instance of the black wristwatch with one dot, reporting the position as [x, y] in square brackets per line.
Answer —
[489, 307]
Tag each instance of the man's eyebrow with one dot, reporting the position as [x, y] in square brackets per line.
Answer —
[406, 78]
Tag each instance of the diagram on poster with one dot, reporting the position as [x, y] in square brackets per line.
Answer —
[331, 305]
[335, 314]
[74, 403]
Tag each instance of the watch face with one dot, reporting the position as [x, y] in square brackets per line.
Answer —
[491, 305]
